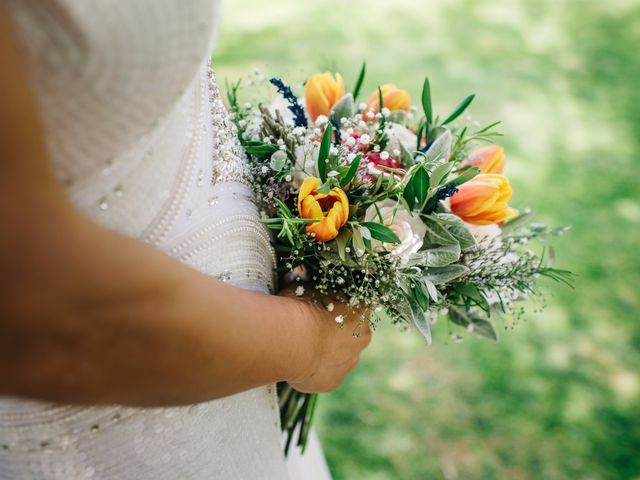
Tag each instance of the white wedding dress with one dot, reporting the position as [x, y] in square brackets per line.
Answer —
[141, 141]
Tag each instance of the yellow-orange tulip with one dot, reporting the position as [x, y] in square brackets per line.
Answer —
[483, 200]
[392, 97]
[322, 92]
[489, 159]
[331, 209]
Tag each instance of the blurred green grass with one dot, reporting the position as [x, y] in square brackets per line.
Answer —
[559, 396]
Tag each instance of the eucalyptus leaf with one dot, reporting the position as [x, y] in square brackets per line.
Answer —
[440, 275]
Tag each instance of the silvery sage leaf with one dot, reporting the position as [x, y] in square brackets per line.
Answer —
[442, 256]
[344, 108]
[440, 275]
[472, 322]
[457, 228]
[440, 149]
[422, 321]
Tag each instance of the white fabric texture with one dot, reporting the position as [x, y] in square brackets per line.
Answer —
[140, 140]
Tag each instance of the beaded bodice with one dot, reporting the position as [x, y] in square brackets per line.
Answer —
[140, 139]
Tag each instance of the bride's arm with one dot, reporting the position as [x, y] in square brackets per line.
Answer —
[89, 316]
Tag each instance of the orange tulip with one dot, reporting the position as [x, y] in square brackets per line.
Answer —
[392, 97]
[322, 92]
[483, 200]
[489, 159]
[331, 209]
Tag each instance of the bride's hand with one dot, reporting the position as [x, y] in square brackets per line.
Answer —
[340, 335]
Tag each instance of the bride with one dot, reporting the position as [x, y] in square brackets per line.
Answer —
[137, 338]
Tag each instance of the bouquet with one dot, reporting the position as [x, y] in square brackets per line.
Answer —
[391, 208]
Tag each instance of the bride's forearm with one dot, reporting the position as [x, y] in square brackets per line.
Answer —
[91, 317]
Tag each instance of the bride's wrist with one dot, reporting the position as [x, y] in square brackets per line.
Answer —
[304, 338]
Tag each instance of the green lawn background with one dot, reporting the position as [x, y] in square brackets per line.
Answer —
[559, 396]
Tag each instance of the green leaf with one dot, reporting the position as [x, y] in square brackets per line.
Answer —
[408, 193]
[381, 232]
[465, 177]
[260, 150]
[324, 189]
[419, 134]
[420, 295]
[284, 210]
[459, 109]
[440, 173]
[323, 154]
[442, 256]
[351, 173]
[440, 275]
[479, 325]
[420, 184]
[426, 101]
[359, 81]
[457, 228]
[471, 291]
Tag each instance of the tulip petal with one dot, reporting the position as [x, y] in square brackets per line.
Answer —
[309, 185]
[311, 208]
